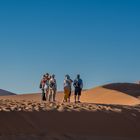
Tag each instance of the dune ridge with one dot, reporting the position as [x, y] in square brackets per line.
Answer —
[5, 93]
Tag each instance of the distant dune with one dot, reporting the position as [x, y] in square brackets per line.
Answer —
[5, 93]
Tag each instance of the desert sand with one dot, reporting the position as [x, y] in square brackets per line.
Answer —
[106, 113]
[102, 95]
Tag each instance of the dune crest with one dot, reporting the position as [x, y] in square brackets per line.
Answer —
[5, 93]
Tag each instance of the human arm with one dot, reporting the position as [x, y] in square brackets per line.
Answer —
[81, 85]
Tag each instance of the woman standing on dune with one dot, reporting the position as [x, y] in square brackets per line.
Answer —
[67, 88]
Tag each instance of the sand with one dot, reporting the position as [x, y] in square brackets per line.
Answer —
[102, 95]
[104, 114]
[34, 120]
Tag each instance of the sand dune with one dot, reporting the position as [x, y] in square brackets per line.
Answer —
[104, 114]
[127, 88]
[31, 97]
[69, 121]
[108, 96]
[4, 93]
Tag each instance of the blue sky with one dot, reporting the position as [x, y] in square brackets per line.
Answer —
[100, 39]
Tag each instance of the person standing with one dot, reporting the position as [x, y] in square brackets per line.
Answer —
[70, 82]
[67, 88]
[42, 87]
[78, 85]
[47, 85]
[52, 89]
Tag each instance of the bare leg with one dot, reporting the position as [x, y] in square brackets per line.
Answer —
[65, 98]
[47, 94]
[69, 96]
[75, 98]
[50, 95]
[78, 98]
[69, 99]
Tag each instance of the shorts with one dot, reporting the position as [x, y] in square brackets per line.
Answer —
[78, 91]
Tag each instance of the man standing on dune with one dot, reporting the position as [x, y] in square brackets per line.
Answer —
[78, 85]
[47, 85]
[52, 89]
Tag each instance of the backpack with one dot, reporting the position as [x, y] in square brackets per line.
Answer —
[40, 86]
[76, 84]
[52, 85]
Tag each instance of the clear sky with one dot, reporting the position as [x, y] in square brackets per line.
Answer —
[100, 39]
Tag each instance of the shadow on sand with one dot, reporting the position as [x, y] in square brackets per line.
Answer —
[107, 122]
[127, 88]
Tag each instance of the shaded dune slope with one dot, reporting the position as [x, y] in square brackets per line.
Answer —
[112, 94]
[127, 88]
[106, 121]
[5, 93]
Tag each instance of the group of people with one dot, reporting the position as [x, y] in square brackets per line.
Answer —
[48, 85]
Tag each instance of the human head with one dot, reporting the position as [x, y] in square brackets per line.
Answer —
[47, 74]
[53, 76]
[67, 76]
[78, 76]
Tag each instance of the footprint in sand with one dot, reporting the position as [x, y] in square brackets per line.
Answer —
[6, 109]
